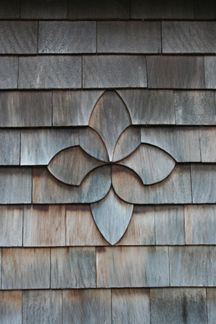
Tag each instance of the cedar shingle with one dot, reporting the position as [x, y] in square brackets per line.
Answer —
[9, 9]
[11, 307]
[211, 305]
[178, 72]
[18, 37]
[205, 9]
[67, 37]
[11, 224]
[8, 72]
[207, 144]
[128, 37]
[9, 147]
[49, 72]
[114, 71]
[40, 9]
[203, 183]
[210, 72]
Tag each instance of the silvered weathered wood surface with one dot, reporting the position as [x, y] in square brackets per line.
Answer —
[9, 147]
[43, 9]
[8, 72]
[210, 69]
[11, 225]
[207, 144]
[11, 307]
[203, 183]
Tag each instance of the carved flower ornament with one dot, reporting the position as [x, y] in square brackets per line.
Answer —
[121, 153]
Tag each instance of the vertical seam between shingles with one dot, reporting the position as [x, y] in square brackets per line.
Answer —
[31, 185]
[65, 219]
[169, 264]
[82, 62]
[111, 306]
[161, 35]
[206, 304]
[184, 225]
[192, 200]
[1, 266]
[96, 37]
[62, 300]
[18, 71]
[23, 226]
[37, 49]
[52, 113]
[96, 279]
[199, 134]
[22, 292]
[20, 132]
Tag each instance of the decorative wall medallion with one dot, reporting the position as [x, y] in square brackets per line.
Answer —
[117, 146]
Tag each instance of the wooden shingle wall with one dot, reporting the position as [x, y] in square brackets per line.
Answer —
[84, 239]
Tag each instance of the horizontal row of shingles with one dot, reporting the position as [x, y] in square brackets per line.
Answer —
[59, 225]
[27, 37]
[38, 146]
[89, 267]
[108, 71]
[120, 9]
[17, 186]
[156, 306]
[73, 108]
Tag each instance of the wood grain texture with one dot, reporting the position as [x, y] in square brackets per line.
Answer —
[18, 37]
[211, 305]
[109, 71]
[11, 307]
[128, 37]
[15, 185]
[25, 109]
[73, 268]
[195, 108]
[81, 229]
[87, 306]
[188, 37]
[176, 189]
[11, 224]
[150, 163]
[168, 9]
[67, 37]
[25, 268]
[112, 216]
[143, 266]
[42, 307]
[178, 305]
[203, 11]
[130, 306]
[9, 10]
[110, 118]
[175, 72]
[73, 108]
[210, 70]
[80, 9]
[207, 144]
[200, 222]
[44, 226]
[9, 147]
[203, 183]
[42, 72]
[39, 146]
[8, 72]
[48, 190]
[40, 9]
[181, 143]
[72, 165]
[149, 106]
[192, 266]
[128, 141]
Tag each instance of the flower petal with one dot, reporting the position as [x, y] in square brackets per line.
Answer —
[112, 216]
[72, 165]
[109, 118]
[150, 163]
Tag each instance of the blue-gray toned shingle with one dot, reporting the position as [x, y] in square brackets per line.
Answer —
[211, 305]
[210, 72]
[112, 9]
[9, 147]
[73, 268]
[11, 307]
[8, 72]
[11, 224]
[114, 71]
[18, 37]
[128, 37]
[178, 72]
[49, 72]
[168, 9]
[10, 9]
[192, 266]
[188, 37]
[178, 305]
[203, 183]
[67, 37]
[44, 9]
[207, 144]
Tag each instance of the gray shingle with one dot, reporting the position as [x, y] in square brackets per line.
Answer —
[18, 37]
[73, 268]
[87, 306]
[203, 183]
[178, 305]
[8, 72]
[113, 9]
[128, 37]
[11, 224]
[114, 71]
[211, 305]
[40, 9]
[25, 109]
[192, 266]
[49, 72]
[207, 144]
[195, 107]
[25, 268]
[143, 266]
[42, 307]
[168, 9]
[10, 9]
[205, 10]
[15, 185]
[210, 72]
[67, 37]
[175, 72]
[11, 307]
[9, 147]
[188, 37]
